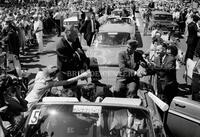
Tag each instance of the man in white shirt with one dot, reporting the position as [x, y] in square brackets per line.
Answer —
[44, 81]
[38, 30]
[57, 18]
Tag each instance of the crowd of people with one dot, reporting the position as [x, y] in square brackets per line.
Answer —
[188, 23]
[26, 24]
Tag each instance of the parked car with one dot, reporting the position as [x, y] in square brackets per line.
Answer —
[73, 19]
[120, 20]
[163, 18]
[66, 116]
[183, 118]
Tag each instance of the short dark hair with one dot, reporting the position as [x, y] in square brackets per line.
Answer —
[195, 18]
[165, 45]
[173, 49]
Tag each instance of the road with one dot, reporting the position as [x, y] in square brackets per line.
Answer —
[34, 62]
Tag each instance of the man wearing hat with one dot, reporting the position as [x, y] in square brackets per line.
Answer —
[128, 77]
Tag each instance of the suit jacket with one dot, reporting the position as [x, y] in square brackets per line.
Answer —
[129, 64]
[70, 57]
[192, 34]
[166, 71]
[87, 29]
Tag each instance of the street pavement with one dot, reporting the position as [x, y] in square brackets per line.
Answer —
[33, 62]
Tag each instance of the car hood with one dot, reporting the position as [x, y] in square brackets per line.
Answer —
[105, 56]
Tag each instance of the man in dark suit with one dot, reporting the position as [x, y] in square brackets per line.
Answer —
[192, 38]
[133, 8]
[11, 39]
[128, 77]
[90, 27]
[151, 5]
[71, 58]
[165, 69]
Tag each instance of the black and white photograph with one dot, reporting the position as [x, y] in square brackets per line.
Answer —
[99, 68]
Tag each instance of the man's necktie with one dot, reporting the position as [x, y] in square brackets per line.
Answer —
[92, 24]
[161, 60]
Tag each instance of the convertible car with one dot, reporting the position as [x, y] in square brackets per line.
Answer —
[119, 117]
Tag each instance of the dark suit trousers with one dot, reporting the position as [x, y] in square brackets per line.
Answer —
[126, 88]
[195, 87]
[168, 93]
[94, 68]
[58, 28]
[89, 39]
[190, 51]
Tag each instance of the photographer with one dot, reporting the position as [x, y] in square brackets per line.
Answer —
[11, 97]
[45, 80]
[164, 66]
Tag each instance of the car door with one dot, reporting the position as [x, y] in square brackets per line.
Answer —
[183, 118]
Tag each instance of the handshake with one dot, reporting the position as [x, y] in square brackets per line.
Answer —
[141, 72]
[85, 75]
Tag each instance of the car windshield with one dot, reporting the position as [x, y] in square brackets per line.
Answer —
[115, 20]
[117, 13]
[163, 17]
[87, 121]
[144, 6]
[113, 39]
[74, 14]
